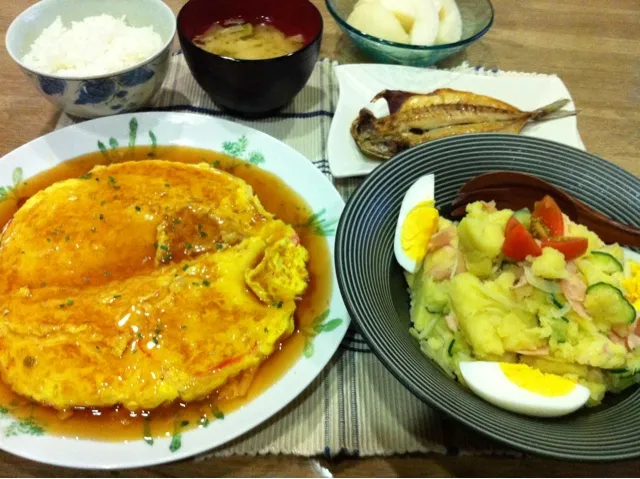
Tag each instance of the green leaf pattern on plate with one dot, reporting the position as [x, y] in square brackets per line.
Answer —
[20, 426]
[319, 325]
[176, 442]
[320, 225]
[9, 192]
[133, 132]
[238, 149]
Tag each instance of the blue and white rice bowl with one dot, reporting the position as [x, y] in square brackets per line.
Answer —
[89, 97]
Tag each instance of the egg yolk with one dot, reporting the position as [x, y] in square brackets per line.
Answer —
[537, 381]
[632, 285]
[418, 227]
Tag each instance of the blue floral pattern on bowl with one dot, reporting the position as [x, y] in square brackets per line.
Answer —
[97, 97]
[95, 91]
[52, 86]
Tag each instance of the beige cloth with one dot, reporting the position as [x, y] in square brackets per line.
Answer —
[355, 406]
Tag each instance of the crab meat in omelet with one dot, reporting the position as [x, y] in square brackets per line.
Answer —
[143, 283]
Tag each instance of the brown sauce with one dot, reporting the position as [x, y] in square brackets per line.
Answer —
[119, 424]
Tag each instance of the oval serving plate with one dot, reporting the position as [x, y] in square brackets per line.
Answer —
[376, 294]
[198, 131]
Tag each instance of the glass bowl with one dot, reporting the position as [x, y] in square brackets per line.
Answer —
[477, 18]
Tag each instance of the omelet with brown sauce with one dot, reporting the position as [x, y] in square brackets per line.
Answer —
[143, 283]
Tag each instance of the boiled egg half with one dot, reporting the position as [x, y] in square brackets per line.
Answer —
[522, 389]
[417, 222]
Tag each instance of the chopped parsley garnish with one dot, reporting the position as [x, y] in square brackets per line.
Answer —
[138, 208]
[116, 296]
[48, 240]
[69, 302]
[184, 423]
[219, 246]
[112, 180]
[94, 229]
[195, 283]
[217, 412]
[158, 330]
[167, 257]
[86, 176]
[67, 238]
[155, 245]
[164, 247]
[206, 282]
[155, 340]
[277, 304]
[188, 246]
[177, 221]
[185, 267]
[167, 185]
[139, 335]
[101, 217]
[203, 234]
[103, 202]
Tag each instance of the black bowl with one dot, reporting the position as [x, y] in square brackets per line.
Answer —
[251, 87]
[375, 291]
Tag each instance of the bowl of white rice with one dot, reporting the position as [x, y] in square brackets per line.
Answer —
[94, 58]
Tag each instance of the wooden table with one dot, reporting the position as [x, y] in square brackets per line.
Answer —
[593, 46]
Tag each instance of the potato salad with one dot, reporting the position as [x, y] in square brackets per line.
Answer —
[526, 288]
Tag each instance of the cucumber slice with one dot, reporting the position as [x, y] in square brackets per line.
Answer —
[450, 350]
[559, 329]
[558, 299]
[606, 262]
[606, 304]
[620, 379]
[524, 217]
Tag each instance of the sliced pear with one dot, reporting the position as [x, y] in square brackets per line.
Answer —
[450, 30]
[404, 10]
[437, 4]
[426, 27]
[374, 19]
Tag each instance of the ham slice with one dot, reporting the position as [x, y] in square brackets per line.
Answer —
[489, 206]
[633, 341]
[575, 290]
[442, 238]
[617, 339]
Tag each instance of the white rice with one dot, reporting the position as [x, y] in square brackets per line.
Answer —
[94, 46]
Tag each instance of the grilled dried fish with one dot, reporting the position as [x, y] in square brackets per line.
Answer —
[417, 118]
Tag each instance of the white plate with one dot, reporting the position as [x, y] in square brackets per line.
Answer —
[360, 83]
[203, 132]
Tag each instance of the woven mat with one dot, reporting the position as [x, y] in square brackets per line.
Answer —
[355, 406]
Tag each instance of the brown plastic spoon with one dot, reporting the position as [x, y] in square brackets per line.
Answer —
[518, 190]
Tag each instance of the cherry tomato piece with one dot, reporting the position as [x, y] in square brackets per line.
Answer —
[518, 242]
[550, 214]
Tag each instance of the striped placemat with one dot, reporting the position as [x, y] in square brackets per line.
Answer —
[355, 406]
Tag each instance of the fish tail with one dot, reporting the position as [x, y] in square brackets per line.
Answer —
[552, 111]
